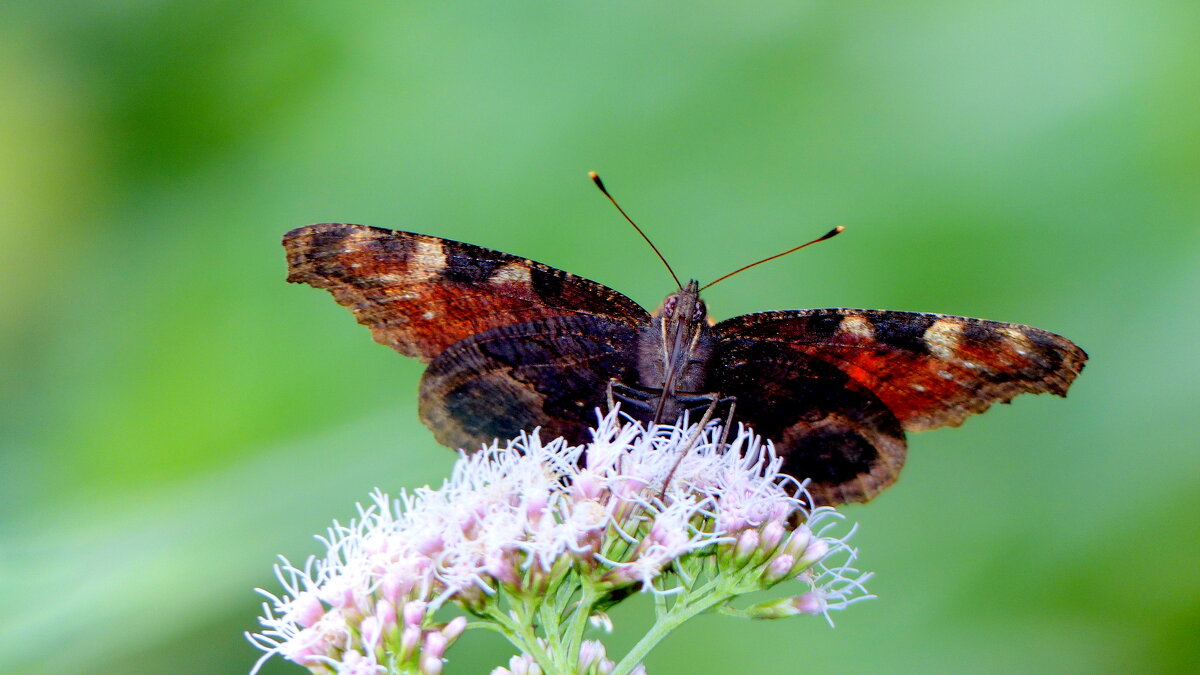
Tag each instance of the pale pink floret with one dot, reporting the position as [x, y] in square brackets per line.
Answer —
[431, 665]
[386, 612]
[455, 628]
[772, 533]
[748, 542]
[779, 568]
[809, 603]
[590, 653]
[306, 609]
[354, 663]
[414, 613]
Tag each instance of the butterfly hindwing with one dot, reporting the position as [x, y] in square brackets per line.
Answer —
[420, 294]
[550, 373]
[930, 370]
[828, 428]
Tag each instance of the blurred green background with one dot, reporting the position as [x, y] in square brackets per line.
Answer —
[175, 415]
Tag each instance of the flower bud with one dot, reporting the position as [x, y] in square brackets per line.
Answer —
[431, 665]
[815, 551]
[371, 631]
[590, 654]
[747, 544]
[414, 613]
[809, 603]
[410, 639]
[772, 534]
[602, 621]
[386, 612]
[523, 664]
[798, 542]
[454, 629]
[435, 644]
[778, 569]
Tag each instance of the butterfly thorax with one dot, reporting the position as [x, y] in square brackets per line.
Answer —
[674, 348]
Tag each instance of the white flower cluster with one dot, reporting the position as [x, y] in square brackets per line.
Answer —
[559, 533]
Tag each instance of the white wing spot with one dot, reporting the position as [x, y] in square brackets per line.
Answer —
[1017, 340]
[429, 315]
[857, 326]
[942, 339]
[429, 259]
[512, 273]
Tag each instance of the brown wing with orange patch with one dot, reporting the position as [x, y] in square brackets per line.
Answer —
[420, 294]
[829, 429]
[931, 370]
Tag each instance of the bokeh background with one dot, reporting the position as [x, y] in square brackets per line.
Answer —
[175, 415]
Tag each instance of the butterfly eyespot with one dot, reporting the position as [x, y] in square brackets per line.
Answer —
[669, 306]
[699, 312]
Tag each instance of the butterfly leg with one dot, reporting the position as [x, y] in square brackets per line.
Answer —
[633, 398]
[694, 400]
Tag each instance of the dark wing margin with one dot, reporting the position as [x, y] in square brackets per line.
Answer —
[550, 373]
[420, 294]
[931, 370]
[828, 428]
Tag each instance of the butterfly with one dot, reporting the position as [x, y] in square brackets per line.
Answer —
[513, 344]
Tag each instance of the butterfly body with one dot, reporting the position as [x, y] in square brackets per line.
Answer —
[513, 344]
[674, 352]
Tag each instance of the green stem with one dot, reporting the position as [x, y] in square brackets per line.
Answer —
[583, 609]
[676, 616]
[550, 625]
[520, 633]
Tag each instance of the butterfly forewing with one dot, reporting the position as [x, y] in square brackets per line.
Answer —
[836, 388]
[931, 370]
[420, 294]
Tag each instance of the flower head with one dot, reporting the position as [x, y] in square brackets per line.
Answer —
[635, 509]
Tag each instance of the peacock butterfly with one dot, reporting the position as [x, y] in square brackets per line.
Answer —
[513, 344]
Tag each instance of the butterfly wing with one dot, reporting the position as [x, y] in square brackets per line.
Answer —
[420, 294]
[550, 373]
[828, 428]
[927, 370]
[931, 370]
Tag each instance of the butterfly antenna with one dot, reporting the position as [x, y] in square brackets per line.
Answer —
[828, 235]
[600, 184]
